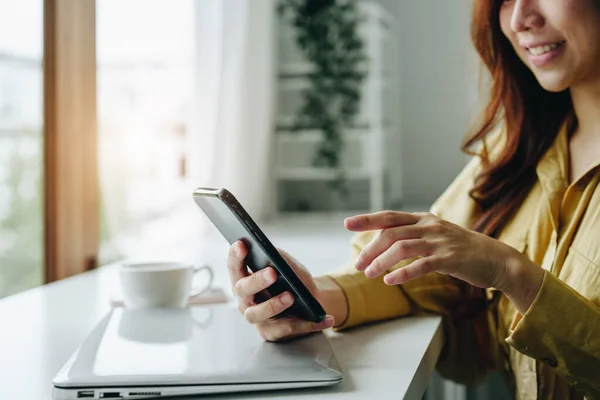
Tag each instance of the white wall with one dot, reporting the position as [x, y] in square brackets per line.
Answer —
[437, 96]
[438, 86]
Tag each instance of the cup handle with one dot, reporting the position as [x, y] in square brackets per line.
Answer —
[198, 291]
[206, 322]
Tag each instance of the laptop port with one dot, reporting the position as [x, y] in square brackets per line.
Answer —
[85, 394]
[110, 395]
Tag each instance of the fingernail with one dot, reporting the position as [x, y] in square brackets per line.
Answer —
[237, 250]
[267, 277]
[351, 222]
[389, 280]
[287, 299]
[368, 271]
[359, 264]
[327, 322]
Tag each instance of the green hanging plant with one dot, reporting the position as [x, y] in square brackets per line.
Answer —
[327, 34]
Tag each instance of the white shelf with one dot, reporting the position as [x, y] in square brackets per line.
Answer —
[289, 121]
[301, 82]
[295, 70]
[305, 68]
[318, 174]
[365, 155]
[315, 136]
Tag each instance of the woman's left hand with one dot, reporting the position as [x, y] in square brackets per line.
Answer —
[440, 246]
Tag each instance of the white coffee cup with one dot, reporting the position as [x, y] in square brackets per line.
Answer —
[161, 284]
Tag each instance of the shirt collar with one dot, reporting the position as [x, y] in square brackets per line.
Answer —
[552, 168]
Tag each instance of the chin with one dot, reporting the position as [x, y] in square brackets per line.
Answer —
[553, 82]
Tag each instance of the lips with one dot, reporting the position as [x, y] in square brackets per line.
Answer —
[542, 54]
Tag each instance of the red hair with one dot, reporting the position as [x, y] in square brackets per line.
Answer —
[530, 116]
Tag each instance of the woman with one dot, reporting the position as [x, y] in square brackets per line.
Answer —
[510, 253]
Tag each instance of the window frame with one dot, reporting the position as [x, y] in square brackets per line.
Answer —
[71, 190]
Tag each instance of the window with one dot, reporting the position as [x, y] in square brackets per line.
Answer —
[21, 145]
[145, 92]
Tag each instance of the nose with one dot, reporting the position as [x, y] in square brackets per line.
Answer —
[526, 16]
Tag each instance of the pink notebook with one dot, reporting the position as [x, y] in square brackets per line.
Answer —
[212, 296]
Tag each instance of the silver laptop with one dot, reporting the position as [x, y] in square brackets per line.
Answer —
[149, 353]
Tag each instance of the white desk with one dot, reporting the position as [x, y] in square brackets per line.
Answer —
[41, 328]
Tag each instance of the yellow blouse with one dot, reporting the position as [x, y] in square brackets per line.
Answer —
[553, 350]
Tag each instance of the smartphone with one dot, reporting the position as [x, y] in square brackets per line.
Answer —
[234, 223]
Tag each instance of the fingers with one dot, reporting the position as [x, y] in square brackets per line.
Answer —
[286, 328]
[246, 286]
[250, 285]
[380, 220]
[383, 241]
[416, 269]
[235, 262]
[399, 251]
[269, 309]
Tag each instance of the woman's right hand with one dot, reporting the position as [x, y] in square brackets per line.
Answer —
[247, 285]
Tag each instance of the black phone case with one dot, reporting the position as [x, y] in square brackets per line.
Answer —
[234, 223]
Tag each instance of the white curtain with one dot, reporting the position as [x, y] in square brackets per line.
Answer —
[235, 74]
[186, 101]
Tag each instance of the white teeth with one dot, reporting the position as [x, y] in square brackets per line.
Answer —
[539, 50]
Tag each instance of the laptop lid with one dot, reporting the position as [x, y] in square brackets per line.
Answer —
[197, 347]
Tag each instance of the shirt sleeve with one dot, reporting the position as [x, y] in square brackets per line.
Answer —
[562, 329]
[466, 354]
[368, 299]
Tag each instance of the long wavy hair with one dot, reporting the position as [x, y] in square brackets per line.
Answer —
[530, 117]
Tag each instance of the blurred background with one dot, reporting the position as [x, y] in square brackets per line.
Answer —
[308, 111]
